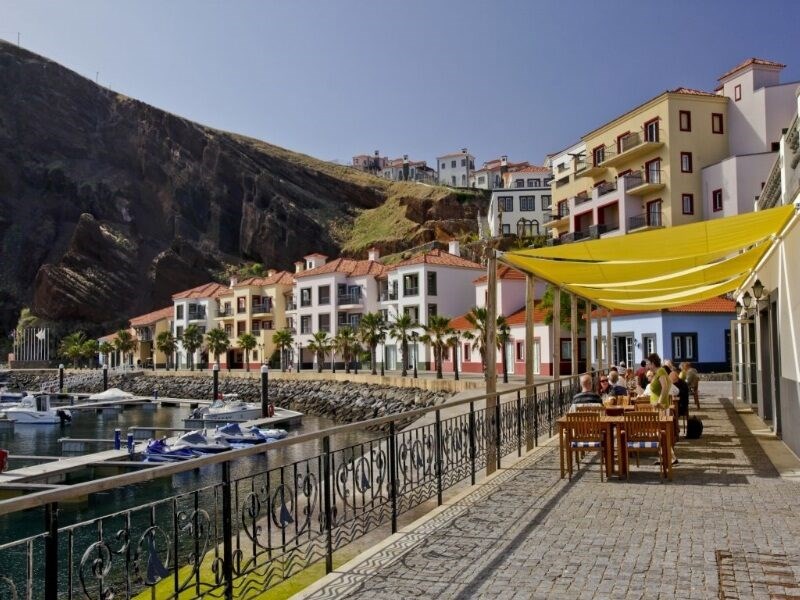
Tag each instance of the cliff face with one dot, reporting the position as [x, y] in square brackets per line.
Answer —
[108, 205]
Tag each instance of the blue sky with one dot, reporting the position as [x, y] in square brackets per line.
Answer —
[425, 77]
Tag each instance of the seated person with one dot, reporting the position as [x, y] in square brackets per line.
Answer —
[603, 385]
[614, 386]
[586, 395]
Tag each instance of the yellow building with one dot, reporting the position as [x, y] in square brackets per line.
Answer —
[146, 328]
[641, 170]
[258, 306]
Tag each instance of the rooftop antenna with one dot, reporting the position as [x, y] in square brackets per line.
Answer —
[96, 76]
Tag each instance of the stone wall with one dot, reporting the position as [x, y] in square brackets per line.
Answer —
[342, 401]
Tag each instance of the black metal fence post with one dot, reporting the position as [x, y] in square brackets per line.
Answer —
[550, 407]
[438, 437]
[393, 474]
[264, 391]
[60, 379]
[326, 491]
[215, 382]
[51, 552]
[472, 442]
[535, 418]
[519, 423]
[497, 430]
[227, 531]
[105, 377]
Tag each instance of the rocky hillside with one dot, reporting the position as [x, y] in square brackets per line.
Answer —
[108, 205]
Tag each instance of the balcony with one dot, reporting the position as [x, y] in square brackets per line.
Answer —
[553, 242]
[351, 299]
[291, 305]
[196, 315]
[593, 167]
[646, 221]
[260, 308]
[353, 324]
[633, 145]
[641, 183]
[225, 313]
[387, 296]
[606, 187]
[582, 197]
[411, 291]
[575, 236]
[562, 181]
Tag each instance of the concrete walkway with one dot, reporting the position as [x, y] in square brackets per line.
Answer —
[727, 527]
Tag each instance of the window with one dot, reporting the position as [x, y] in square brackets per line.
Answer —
[324, 294]
[537, 183]
[179, 311]
[482, 179]
[686, 162]
[526, 228]
[651, 131]
[563, 208]
[737, 93]
[432, 284]
[241, 305]
[505, 203]
[599, 154]
[305, 297]
[452, 164]
[229, 330]
[684, 347]
[179, 332]
[648, 343]
[506, 230]
[241, 327]
[530, 182]
[467, 353]
[653, 171]
[463, 162]
[324, 322]
[411, 285]
[716, 123]
[685, 120]
[546, 202]
[267, 325]
[413, 312]
[716, 200]
[520, 354]
[444, 165]
[527, 203]
[432, 310]
[305, 324]
[520, 183]
[453, 180]
[654, 213]
[687, 200]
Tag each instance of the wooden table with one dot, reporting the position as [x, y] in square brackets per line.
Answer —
[611, 424]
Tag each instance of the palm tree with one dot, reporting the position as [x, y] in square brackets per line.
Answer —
[71, 347]
[436, 334]
[89, 350]
[105, 349]
[372, 331]
[477, 319]
[401, 330]
[247, 341]
[218, 342]
[320, 345]
[166, 343]
[283, 339]
[346, 343]
[455, 341]
[192, 340]
[124, 343]
[503, 335]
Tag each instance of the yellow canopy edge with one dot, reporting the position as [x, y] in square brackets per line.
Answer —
[659, 268]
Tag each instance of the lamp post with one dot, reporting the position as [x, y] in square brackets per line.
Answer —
[414, 337]
[261, 352]
[299, 356]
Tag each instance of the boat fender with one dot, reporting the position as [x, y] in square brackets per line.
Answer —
[271, 410]
[3, 459]
[65, 416]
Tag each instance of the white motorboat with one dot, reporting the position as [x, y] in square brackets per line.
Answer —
[8, 396]
[230, 409]
[37, 410]
[110, 395]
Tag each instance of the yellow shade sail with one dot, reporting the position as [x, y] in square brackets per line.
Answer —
[659, 268]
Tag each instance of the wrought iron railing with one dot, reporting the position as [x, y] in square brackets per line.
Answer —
[648, 219]
[387, 296]
[262, 307]
[249, 525]
[351, 298]
[606, 187]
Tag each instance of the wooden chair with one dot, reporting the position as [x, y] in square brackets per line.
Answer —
[585, 433]
[642, 433]
[588, 408]
[615, 411]
[646, 407]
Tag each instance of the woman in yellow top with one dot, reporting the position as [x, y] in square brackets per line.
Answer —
[659, 390]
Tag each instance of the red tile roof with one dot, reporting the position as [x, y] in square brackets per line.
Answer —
[516, 318]
[348, 266]
[207, 290]
[751, 61]
[503, 272]
[281, 277]
[454, 154]
[152, 317]
[710, 305]
[315, 255]
[691, 92]
[437, 257]
[529, 169]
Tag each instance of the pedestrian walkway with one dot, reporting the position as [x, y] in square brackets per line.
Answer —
[727, 527]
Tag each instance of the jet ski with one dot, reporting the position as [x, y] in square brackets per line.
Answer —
[233, 434]
[197, 442]
[159, 451]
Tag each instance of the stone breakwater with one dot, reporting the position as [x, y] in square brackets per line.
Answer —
[342, 401]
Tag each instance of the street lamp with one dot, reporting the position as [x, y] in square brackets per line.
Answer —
[414, 337]
[758, 290]
[299, 355]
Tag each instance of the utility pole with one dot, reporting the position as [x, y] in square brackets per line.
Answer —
[493, 452]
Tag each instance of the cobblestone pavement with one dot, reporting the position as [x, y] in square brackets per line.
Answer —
[726, 527]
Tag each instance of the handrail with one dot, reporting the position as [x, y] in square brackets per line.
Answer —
[100, 485]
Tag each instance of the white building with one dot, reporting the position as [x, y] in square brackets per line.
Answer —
[523, 205]
[197, 306]
[403, 169]
[434, 283]
[759, 107]
[490, 175]
[455, 169]
[330, 295]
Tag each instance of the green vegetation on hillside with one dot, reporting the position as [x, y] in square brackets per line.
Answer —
[387, 222]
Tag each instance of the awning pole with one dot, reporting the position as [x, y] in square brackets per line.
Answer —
[609, 346]
[529, 332]
[491, 357]
[573, 326]
[556, 333]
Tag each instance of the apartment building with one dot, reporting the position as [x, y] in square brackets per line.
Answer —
[256, 305]
[146, 328]
[759, 106]
[403, 169]
[197, 306]
[455, 169]
[433, 283]
[522, 205]
[660, 164]
[330, 295]
[490, 175]
[373, 163]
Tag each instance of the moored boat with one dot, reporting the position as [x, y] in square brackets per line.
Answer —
[37, 410]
